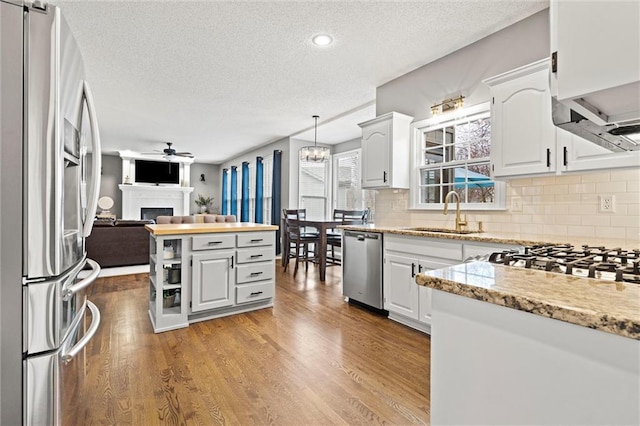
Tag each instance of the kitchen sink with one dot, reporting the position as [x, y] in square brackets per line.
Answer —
[441, 230]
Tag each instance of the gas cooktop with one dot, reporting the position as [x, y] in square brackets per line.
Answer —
[587, 261]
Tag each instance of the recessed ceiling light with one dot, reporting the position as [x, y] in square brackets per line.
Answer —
[322, 40]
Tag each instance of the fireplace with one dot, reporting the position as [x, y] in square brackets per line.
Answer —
[137, 197]
[154, 212]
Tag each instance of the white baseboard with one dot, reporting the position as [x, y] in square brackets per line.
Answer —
[124, 270]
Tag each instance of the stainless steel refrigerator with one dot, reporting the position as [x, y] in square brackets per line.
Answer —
[49, 182]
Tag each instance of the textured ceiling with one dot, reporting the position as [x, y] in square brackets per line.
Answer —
[218, 78]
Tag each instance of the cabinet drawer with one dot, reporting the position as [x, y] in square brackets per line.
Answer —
[252, 239]
[250, 272]
[213, 241]
[253, 292]
[257, 254]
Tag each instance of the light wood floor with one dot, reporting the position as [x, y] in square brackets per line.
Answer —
[312, 359]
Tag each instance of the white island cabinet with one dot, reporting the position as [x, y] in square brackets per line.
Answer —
[209, 270]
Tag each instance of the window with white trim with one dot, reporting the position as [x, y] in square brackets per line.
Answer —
[314, 188]
[347, 191]
[452, 153]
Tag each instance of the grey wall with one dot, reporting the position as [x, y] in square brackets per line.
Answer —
[110, 179]
[462, 71]
[209, 188]
[347, 146]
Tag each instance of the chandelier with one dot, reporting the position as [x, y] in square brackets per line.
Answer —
[315, 153]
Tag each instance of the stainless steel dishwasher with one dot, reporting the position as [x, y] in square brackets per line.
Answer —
[362, 267]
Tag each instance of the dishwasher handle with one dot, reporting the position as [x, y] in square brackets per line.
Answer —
[361, 236]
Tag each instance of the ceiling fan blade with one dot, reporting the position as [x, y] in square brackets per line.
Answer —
[184, 154]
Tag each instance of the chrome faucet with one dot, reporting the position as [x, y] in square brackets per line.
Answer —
[459, 222]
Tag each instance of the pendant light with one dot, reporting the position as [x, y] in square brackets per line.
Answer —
[315, 153]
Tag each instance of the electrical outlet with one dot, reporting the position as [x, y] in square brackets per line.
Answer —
[516, 204]
[607, 203]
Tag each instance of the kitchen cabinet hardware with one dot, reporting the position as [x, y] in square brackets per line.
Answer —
[254, 256]
[255, 293]
[564, 155]
[548, 157]
[384, 177]
[231, 262]
[255, 274]
[413, 270]
[256, 240]
[554, 62]
[214, 242]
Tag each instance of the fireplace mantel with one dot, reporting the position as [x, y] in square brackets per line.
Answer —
[135, 197]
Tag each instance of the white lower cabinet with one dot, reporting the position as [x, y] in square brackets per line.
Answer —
[400, 291]
[405, 256]
[212, 280]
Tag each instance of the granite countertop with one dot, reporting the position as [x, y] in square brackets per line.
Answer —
[473, 236]
[608, 306]
[207, 228]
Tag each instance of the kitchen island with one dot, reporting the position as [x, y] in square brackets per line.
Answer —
[522, 346]
[208, 270]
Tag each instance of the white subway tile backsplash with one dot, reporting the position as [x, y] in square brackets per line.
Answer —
[595, 177]
[600, 220]
[543, 180]
[609, 232]
[583, 209]
[555, 206]
[533, 190]
[582, 188]
[555, 229]
[611, 187]
[556, 189]
[567, 198]
[581, 231]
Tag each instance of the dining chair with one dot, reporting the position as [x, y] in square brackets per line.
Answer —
[334, 237]
[299, 243]
[297, 214]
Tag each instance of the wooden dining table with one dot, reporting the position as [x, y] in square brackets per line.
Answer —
[322, 225]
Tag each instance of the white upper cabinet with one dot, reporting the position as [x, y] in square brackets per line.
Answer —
[385, 151]
[596, 45]
[523, 137]
[524, 140]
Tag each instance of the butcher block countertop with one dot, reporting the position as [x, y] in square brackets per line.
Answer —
[613, 307]
[207, 228]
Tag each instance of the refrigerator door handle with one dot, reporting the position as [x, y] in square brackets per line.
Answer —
[93, 328]
[68, 292]
[96, 161]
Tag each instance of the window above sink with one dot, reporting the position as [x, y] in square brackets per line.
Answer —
[451, 152]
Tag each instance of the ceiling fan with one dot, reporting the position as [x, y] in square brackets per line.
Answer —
[170, 153]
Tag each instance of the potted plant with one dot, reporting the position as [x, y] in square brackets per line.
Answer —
[203, 202]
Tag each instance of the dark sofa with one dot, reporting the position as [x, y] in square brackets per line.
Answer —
[119, 242]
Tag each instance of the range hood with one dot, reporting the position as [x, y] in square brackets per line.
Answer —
[616, 137]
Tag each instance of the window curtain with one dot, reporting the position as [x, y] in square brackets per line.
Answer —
[244, 207]
[276, 194]
[225, 199]
[234, 191]
[259, 190]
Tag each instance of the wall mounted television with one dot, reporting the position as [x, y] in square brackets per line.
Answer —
[157, 172]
